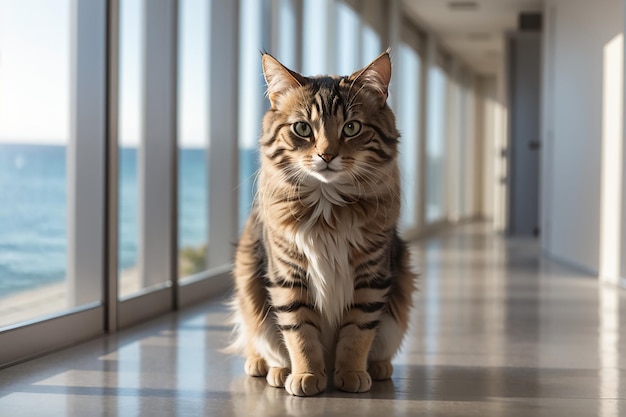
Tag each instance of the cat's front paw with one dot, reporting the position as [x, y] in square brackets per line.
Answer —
[305, 384]
[256, 366]
[276, 377]
[353, 381]
[380, 370]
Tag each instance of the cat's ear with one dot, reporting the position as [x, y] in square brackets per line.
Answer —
[376, 76]
[279, 78]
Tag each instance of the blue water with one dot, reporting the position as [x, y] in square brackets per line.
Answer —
[33, 207]
[32, 216]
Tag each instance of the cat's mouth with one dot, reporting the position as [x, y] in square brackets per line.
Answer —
[326, 175]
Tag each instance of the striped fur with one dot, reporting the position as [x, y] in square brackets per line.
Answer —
[322, 280]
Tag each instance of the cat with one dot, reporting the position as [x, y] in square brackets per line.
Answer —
[322, 279]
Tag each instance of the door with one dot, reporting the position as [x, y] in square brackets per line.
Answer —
[524, 59]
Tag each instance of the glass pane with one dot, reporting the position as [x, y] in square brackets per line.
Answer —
[460, 147]
[408, 120]
[287, 35]
[34, 133]
[371, 45]
[192, 137]
[129, 133]
[435, 146]
[314, 49]
[347, 23]
[468, 147]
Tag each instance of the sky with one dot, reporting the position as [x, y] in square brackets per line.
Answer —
[35, 72]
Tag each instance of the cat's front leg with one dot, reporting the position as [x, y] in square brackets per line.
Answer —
[357, 332]
[300, 326]
[308, 375]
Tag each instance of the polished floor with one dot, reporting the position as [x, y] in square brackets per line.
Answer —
[496, 331]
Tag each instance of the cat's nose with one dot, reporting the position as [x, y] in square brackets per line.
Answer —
[327, 157]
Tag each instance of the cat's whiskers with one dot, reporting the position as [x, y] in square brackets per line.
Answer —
[256, 187]
[245, 180]
[389, 183]
[271, 186]
[295, 190]
[371, 181]
[356, 184]
[371, 175]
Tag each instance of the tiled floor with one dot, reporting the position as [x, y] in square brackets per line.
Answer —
[495, 332]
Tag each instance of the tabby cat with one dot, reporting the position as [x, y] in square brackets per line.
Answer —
[322, 279]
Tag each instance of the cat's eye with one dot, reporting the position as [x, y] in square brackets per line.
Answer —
[351, 128]
[302, 129]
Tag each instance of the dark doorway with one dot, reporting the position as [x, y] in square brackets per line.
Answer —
[524, 64]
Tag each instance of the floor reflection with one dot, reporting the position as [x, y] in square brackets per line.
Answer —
[496, 331]
[608, 350]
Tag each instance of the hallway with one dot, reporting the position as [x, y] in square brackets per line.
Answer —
[495, 332]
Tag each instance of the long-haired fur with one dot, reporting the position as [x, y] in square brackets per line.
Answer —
[322, 279]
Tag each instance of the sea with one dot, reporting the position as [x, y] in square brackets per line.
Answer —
[33, 210]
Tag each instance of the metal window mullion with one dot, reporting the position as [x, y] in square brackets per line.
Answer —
[299, 35]
[158, 150]
[360, 38]
[452, 144]
[276, 25]
[546, 129]
[329, 35]
[85, 154]
[112, 163]
[472, 183]
[370, 14]
[449, 148]
[275, 17]
[222, 126]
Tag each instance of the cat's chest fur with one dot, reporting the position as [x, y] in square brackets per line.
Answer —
[327, 237]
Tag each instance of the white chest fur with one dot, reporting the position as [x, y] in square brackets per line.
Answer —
[327, 250]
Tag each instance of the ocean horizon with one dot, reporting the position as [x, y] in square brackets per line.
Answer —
[33, 210]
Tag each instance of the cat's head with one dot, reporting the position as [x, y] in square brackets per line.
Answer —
[329, 129]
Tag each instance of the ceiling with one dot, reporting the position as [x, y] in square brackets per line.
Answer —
[474, 30]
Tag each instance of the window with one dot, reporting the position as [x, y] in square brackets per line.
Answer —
[436, 145]
[34, 137]
[254, 37]
[371, 44]
[287, 37]
[468, 148]
[54, 250]
[183, 149]
[193, 188]
[372, 28]
[131, 79]
[52, 167]
[149, 30]
[408, 75]
[316, 50]
[347, 42]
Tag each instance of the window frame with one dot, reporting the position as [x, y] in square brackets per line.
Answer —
[87, 228]
[94, 228]
[98, 117]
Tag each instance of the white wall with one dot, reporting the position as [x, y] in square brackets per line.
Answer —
[576, 32]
